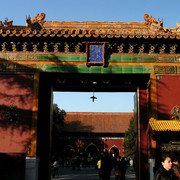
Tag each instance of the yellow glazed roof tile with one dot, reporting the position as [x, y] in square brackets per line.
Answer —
[164, 125]
[38, 26]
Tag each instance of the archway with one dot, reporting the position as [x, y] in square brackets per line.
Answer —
[92, 153]
[91, 149]
[114, 152]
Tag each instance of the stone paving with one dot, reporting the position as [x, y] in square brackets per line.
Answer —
[91, 173]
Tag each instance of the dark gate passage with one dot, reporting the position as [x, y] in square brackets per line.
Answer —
[45, 56]
[73, 83]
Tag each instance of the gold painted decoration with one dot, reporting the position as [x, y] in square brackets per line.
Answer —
[175, 113]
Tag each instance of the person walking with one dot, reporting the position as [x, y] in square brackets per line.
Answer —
[55, 168]
[124, 167]
[73, 163]
[99, 168]
[106, 166]
[118, 168]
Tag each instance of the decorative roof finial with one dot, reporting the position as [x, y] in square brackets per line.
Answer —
[151, 21]
[37, 21]
[7, 23]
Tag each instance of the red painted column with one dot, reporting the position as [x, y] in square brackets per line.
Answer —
[143, 123]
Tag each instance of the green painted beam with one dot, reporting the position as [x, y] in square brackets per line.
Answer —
[82, 58]
[52, 63]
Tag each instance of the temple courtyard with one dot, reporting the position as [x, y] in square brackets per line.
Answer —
[66, 173]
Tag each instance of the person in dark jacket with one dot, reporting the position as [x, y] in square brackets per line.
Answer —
[124, 167]
[118, 167]
[106, 166]
[165, 172]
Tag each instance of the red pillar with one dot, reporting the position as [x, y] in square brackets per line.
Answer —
[143, 139]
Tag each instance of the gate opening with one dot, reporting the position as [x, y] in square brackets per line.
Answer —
[89, 129]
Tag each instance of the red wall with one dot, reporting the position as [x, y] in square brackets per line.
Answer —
[118, 143]
[168, 95]
[16, 90]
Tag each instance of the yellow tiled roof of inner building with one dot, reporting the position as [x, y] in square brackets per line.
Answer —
[164, 125]
[93, 29]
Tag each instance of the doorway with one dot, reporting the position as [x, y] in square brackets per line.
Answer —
[76, 83]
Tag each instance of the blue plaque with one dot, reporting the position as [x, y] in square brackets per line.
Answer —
[96, 53]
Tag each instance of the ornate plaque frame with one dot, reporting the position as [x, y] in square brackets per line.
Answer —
[95, 53]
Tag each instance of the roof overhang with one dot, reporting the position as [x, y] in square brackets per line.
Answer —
[163, 125]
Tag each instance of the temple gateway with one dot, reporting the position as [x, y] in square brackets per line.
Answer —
[46, 56]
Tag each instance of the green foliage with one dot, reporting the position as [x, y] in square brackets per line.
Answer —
[58, 125]
[58, 119]
[129, 141]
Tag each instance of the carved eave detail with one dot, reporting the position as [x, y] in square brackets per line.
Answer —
[39, 27]
[103, 33]
[99, 33]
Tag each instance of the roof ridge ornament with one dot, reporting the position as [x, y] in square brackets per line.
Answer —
[6, 23]
[37, 21]
[151, 21]
[178, 26]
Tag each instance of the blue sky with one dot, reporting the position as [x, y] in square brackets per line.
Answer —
[105, 102]
[93, 10]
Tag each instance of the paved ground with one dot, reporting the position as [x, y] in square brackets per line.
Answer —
[86, 174]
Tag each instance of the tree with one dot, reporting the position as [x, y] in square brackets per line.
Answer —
[129, 141]
[58, 125]
[58, 119]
